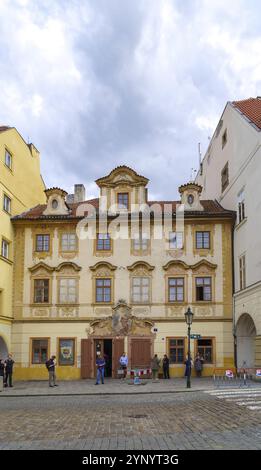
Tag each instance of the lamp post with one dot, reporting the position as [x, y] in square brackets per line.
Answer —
[189, 319]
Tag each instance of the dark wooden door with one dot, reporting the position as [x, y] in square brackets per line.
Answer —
[141, 353]
[117, 351]
[86, 358]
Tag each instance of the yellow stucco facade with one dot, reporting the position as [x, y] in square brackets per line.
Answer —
[21, 187]
[58, 308]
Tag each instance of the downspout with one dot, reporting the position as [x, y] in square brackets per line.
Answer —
[233, 290]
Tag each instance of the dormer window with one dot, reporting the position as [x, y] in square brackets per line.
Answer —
[123, 200]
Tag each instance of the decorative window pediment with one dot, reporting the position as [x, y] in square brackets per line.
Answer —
[41, 268]
[204, 267]
[176, 265]
[68, 266]
[140, 265]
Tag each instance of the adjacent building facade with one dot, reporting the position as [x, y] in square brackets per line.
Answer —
[21, 187]
[77, 293]
[230, 172]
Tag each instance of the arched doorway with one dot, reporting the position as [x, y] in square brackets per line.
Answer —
[3, 349]
[246, 333]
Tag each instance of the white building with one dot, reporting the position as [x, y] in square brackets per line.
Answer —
[231, 173]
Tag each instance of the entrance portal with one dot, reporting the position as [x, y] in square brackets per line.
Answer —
[104, 347]
[3, 349]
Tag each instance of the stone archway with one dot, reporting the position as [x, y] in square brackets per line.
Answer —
[3, 349]
[246, 333]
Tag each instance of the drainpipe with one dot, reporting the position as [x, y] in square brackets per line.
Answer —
[233, 289]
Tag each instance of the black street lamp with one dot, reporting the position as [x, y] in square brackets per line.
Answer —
[189, 319]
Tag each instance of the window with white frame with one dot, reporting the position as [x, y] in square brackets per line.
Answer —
[176, 240]
[67, 291]
[141, 241]
[241, 206]
[7, 204]
[140, 289]
[8, 159]
[68, 242]
[5, 249]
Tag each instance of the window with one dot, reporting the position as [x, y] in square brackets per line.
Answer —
[8, 159]
[242, 272]
[103, 242]
[67, 291]
[224, 139]
[140, 289]
[141, 242]
[203, 288]
[41, 291]
[176, 289]
[42, 242]
[176, 240]
[176, 350]
[205, 349]
[224, 177]
[103, 290]
[5, 249]
[241, 206]
[7, 204]
[123, 200]
[203, 240]
[39, 351]
[68, 242]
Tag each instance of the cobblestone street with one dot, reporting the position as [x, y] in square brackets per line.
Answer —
[175, 421]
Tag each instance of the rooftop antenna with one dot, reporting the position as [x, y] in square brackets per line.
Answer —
[199, 158]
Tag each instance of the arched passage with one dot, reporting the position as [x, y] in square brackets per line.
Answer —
[3, 349]
[246, 333]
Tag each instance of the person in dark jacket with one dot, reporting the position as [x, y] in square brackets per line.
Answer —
[2, 373]
[198, 363]
[100, 364]
[50, 364]
[165, 364]
[9, 364]
[188, 365]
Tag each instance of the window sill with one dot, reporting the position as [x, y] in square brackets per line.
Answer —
[238, 226]
[68, 304]
[8, 168]
[41, 304]
[176, 303]
[7, 260]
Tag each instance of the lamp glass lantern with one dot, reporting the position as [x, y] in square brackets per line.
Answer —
[189, 316]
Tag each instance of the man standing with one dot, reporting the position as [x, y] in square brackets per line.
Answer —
[9, 363]
[165, 364]
[155, 365]
[124, 364]
[100, 364]
[2, 373]
[50, 364]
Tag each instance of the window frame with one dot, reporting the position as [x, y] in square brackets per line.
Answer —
[47, 339]
[9, 203]
[44, 302]
[8, 245]
[140, 293]
[242, 272]
[213, 348]
[176, 286]
[224, 177]
[68, 248]
[184, 347]
[43, 235]
[171, 241]
[204, 285]
[103, 287]
[67, 302]
[7, 152]
[103, 240]
[224, 138]
[123, 205]
[203, 232]
[74, 342]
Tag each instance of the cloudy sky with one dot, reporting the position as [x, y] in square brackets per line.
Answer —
[100, 83]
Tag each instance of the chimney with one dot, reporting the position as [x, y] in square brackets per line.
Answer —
[79, 193]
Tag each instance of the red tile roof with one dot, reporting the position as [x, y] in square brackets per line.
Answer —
[4, 128]
[251, 108]
[211, 208]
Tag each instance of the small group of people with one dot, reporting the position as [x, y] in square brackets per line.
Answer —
[6, 372]
[198, 365]
[156, 364]
[101, 363]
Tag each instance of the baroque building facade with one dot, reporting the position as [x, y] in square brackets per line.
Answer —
[117, 273]
[21, 187]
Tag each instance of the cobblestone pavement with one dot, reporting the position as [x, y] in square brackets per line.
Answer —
[175, 421]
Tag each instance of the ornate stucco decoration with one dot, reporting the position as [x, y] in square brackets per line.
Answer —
[190, 195]
[140, 265]
[41, 267]
[120, 175]
[56, 203]
[121, 323]
[67, 265]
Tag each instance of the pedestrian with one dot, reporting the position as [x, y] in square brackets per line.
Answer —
[9, 364]
[124, 364]
[188, 364]
[155, 364]
[198, 364]
[50, 365]
[100, 364]
[2, 373]
[165, 364]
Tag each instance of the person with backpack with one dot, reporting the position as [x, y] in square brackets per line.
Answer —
[50, 365]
